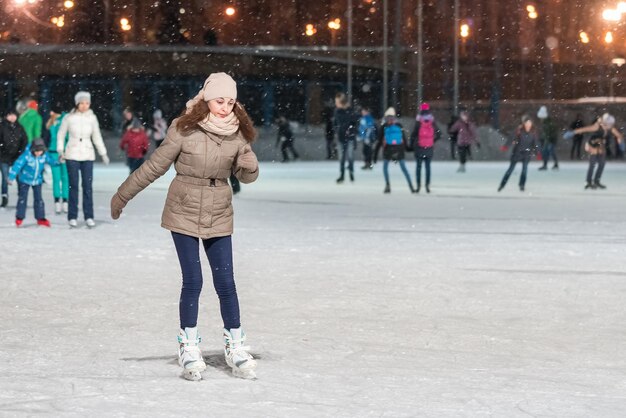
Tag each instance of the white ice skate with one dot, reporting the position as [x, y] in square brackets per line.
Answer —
[57, 208]
[66, 207]
[90, 223]
[236, 353]
[189, 354]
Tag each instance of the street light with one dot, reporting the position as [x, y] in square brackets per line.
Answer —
[125, 24]
[584, 37]
[608, 38]
[612, 15]
[532, 11]
[68, 4]
[334, 26]
[230, 11]
[310, 30]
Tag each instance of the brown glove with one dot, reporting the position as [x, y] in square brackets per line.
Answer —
[247, 160]
[117, 204]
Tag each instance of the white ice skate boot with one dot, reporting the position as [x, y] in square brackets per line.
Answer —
[90, 223]
[189, 355]
[57, 208]
[237, 356]
[66, 207]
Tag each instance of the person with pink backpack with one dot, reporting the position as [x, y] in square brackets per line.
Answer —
[422, 140]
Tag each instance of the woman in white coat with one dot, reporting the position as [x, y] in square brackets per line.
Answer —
[84, 134]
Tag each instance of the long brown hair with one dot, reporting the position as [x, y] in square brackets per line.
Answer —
[188, 122]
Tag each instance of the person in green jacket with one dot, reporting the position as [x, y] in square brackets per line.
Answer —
[60, 180]
[30, 119]
[549, 136]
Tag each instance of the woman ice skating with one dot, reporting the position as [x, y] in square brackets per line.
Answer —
[84, 134]
[422, 140]
[602, 132]
[206, 144]
[525, 144]
[467, 135]
[392, 138]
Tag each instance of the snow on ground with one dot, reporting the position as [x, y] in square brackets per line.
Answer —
[465, 302]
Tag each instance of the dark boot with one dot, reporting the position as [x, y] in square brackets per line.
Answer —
[387, 188]
[599, 185]
[590, 186]
[340, 179]
[5, 200]
[427, 188]
[351, 176]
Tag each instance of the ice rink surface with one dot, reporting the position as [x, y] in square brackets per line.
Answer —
[462, 303]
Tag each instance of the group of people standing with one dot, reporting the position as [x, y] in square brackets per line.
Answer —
[68, 144]
[528, 140]
[391, 137]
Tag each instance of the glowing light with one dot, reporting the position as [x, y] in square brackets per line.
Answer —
[584, 38]
[335, 24]
[310, 30]
[533, 15]
[465, 30]
[618, 61]
[621, 7]
[181, 11]
[608, 38]
[125, 24]
[530, 8]
[68, 4]
[612, 15]
[230, 11]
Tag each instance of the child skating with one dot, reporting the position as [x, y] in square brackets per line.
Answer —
[28, 169]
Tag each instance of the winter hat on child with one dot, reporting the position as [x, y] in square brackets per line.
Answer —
[38, 145]
[526, 118]
[542, 113]
[82, 96]
[216, 85]
[32, 104]
[425, 106]
[390, 112]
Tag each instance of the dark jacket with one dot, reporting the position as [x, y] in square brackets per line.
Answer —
[284, 131]
[346, 124]
[525, 144]
[549, 133]
[13, 141]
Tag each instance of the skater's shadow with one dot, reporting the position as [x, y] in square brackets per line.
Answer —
[213, 359]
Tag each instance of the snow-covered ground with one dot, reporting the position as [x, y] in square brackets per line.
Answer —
[464, 302]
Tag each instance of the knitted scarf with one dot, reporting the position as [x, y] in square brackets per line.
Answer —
[220, 126]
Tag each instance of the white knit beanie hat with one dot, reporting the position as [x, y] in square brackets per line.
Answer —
[390, 112]
[82, 96]
[216, 85]
[542, 113]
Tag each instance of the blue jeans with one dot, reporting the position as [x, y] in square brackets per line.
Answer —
[85, 170]
[522, 178]
[347, 153]
[404, 170]
[547, 152]
[38, 205]
[4, 167]
[220, 254]
[134, 163]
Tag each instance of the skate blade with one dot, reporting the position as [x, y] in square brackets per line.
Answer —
[193, 375]
[244, 374]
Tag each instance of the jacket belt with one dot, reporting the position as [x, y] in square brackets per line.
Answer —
[201, 182]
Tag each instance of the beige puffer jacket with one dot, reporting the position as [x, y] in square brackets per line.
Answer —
[199, 198]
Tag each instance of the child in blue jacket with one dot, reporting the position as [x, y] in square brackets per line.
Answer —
[28, 169]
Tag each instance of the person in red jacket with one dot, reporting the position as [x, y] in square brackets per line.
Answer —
[135, 143]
